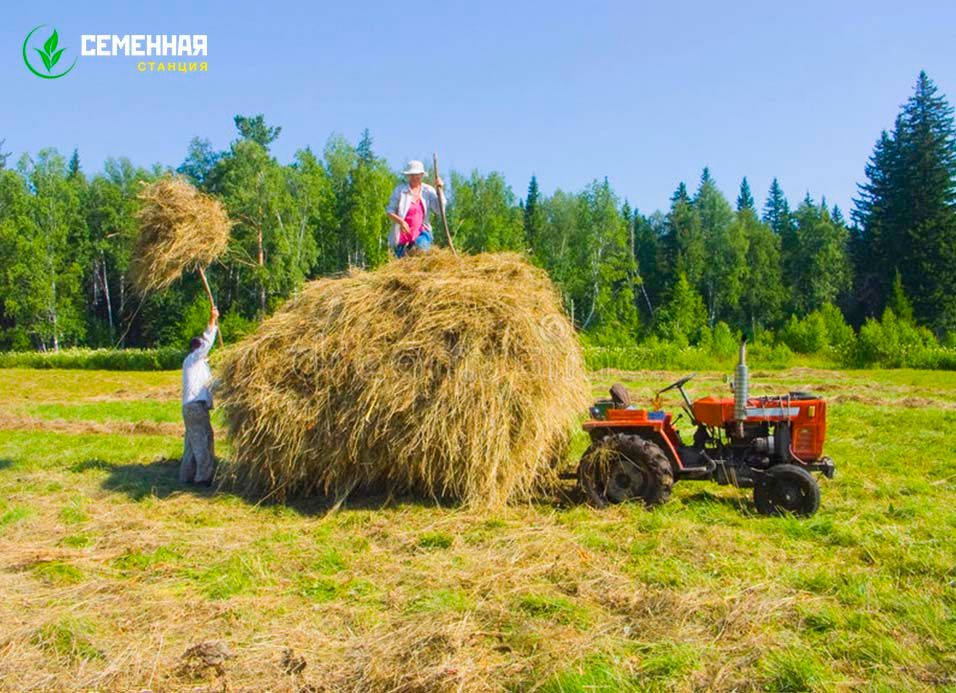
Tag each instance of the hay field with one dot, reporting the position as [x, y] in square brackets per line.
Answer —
[110, 572]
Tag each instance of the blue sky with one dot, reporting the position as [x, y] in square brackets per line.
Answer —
[645, 94]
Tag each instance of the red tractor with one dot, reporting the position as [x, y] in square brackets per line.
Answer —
[769, 443]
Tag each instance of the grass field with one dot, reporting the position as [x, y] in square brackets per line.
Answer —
[110, 571]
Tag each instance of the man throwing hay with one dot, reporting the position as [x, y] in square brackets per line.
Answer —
[198, 455]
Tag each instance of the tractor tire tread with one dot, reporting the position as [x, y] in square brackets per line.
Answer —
[763, 495]
[641, 451]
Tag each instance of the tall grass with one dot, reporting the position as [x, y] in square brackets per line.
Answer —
[163, 359]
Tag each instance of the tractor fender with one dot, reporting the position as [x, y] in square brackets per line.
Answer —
[651, 433]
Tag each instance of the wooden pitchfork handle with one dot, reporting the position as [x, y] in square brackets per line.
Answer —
[441, 207]
[212, 303]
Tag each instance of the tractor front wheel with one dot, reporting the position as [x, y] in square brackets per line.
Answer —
[786, 488]
[621, 467]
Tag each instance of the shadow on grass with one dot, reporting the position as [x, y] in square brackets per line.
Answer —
[5, 464]
[160, 479]
[741, 502]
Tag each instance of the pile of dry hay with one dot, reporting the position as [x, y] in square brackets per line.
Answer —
[450, 377]
[181, 230]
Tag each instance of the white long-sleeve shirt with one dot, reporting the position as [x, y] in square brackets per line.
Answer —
[197, 376]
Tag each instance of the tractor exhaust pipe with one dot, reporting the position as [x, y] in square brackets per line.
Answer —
[741, 389]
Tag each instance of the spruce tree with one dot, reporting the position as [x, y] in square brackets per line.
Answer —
[647, 251]
[899, 303]
[684, 250]
[927, 158]
[776, 211]
[533, 218]
[73, 168]
[744, 199]
[254, 128]
[906, 211]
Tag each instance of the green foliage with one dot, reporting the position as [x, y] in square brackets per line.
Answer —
[817, 264]
[234, 326]
[721, 341]
[745, 200]
[725, 248]
[821, 330]
[684, 244]
[97, 359]
[622, 275]
[484, 214]
[776, 211]
[655, 354]
[533, 215]
[613, 312]
[763, 293]
[683, 318]
[40, 227]
[895, 343]
[807, 335]
[898, 302]
[254, 128]
[906, 212]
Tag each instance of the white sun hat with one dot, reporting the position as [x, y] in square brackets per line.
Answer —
[414, 167]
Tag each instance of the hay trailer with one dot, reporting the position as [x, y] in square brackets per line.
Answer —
[771, 444]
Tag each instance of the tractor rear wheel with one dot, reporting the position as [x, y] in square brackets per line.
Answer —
[786, 488]
[621, 467]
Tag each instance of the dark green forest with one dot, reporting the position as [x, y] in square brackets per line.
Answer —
[871, 285]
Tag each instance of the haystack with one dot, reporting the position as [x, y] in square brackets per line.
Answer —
[447, 377]
[181, 230]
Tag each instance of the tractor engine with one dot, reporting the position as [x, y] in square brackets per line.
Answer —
[758, 432]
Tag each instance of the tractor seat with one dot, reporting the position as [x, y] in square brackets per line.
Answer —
[620, 396]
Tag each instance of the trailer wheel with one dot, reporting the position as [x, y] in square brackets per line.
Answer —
[621, 467]
[786, 488]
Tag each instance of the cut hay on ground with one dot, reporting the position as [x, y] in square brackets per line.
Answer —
[181, 230]
[455, 378]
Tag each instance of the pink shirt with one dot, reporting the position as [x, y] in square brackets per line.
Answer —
[415, 218]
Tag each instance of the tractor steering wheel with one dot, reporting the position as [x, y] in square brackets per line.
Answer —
[679, 383]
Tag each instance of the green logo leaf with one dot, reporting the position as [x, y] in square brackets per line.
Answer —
[45, 58]
[50, 44]
[56, 56]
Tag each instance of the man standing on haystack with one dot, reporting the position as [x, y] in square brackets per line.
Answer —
[198, 456]
[408, 210]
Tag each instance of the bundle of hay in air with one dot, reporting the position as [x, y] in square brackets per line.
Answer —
[181, 230]
[454, 378]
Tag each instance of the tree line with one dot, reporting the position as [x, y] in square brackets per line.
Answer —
[675, 275]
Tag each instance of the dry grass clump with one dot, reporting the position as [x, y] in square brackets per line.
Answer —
[181, 230]
[455, 378]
